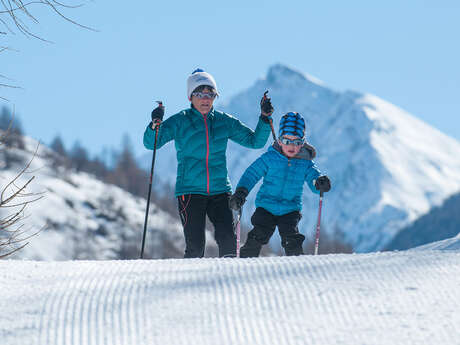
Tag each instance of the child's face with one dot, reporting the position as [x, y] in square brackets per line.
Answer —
[291, 149]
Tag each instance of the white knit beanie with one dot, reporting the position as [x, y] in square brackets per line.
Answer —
[198, 78]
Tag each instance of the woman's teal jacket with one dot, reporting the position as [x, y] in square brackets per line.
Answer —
[283, 179]
[201, 145]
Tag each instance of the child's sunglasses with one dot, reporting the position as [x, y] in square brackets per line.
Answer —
[201, 95]
[296, 142]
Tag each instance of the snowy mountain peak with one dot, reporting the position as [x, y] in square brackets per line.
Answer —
[279, 74]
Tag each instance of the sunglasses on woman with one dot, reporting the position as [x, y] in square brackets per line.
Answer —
[206, 95]
[296, 142]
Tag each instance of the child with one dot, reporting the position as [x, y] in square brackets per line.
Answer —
[285, 167]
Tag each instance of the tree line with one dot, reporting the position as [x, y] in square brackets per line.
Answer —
[115, 166]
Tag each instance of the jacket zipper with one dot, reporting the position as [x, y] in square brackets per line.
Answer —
[285, 177]
[207, 154]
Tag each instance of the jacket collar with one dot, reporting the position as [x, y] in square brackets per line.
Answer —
[307, 152]
[209, 115]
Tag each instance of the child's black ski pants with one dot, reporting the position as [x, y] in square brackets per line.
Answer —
[264, 224]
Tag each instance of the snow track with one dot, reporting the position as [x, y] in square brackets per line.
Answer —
[382, 298]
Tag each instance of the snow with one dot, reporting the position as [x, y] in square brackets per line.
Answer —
[413, 159]
[408, 297]
[447, 244]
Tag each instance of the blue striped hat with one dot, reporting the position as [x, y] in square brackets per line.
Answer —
[292, 124]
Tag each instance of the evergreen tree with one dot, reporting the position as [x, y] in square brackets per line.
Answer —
[97, 167]
[58, 146]
[5, 119]
[79, 157]
[59, 158]
[127, 174]
[12, 129]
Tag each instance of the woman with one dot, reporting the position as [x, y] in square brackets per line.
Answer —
[200, 135]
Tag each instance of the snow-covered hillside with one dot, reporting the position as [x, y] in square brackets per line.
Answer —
[84, 218]
[447, 244]
[392, 298]
[387, 167]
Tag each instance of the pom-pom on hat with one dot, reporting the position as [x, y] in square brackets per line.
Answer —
[292, 123]
[198, 78]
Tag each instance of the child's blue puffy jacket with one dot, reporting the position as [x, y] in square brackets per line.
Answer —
[283, 179]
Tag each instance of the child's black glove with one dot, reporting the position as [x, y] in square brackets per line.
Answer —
[323, 184]
[238, 199]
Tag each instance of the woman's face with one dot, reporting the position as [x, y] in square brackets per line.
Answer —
[202, 103]
[290, 150]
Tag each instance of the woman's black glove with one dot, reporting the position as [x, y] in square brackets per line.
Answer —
[238, 199]
[266, 107]
[323, 184]
[158, 113]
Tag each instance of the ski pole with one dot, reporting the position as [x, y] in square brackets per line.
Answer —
[271, 120]
[273, 131]
[150, 185]
[238, 233]
[319, 222]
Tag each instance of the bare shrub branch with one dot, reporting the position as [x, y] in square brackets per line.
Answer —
[16, 16]
[13, 235]
[18, 12]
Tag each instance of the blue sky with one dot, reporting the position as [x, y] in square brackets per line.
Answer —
[97, 86]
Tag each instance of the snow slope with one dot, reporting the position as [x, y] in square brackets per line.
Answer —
[447, 244]
[392, 298]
